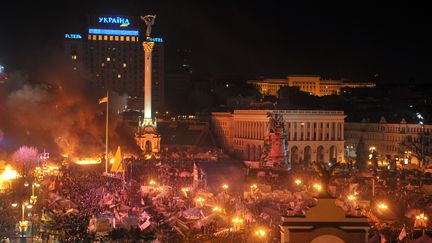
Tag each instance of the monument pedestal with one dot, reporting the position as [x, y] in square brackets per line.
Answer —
[148, 139]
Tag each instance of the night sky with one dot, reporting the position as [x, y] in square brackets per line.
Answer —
[249, 38]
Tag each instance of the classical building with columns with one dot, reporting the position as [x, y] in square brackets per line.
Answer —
[386, 138]
[313, 84]
[311, 135]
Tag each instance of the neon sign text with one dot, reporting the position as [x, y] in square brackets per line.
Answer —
[124, 22]
[73, 36]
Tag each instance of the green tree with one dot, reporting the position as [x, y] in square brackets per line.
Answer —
[362, 155]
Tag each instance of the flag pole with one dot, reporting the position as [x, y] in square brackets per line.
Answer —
[106, 136]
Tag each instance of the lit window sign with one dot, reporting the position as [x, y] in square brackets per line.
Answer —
[157, 39]
[124, 22]
[73, 36]
[113, 32]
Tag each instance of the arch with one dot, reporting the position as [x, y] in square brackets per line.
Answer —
[294, 155]
[333, 154]
[252, 155]
[320, 154]
[248, 152]
[307, 155]
[148, 146]
[327, 239]
[259, 152]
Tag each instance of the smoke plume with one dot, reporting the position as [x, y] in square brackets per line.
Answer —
[57, 109]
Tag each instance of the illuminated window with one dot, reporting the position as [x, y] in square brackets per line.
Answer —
[127, 38]
[105, 37]
[111, 37]
[116, 38]
[137, 38]
[108, 59]
[133, 38]
[124, 65]
[74, 57]
[89, 37]
[121, 38]
[118, 75]
[99, 37]
[94, 37]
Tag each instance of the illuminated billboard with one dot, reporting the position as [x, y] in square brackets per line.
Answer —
[113, 32]
[73, 36]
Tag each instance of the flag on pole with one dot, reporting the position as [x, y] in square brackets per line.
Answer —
[402, 234]
[117, 166]
[103, 100]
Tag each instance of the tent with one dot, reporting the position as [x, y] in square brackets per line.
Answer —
[423, 239]
[193, 213]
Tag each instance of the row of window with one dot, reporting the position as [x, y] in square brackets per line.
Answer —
[113, 38]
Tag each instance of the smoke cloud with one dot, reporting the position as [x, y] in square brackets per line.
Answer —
[57, 109]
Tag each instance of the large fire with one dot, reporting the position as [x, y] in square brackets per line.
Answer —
[8, 174]
[88, 161]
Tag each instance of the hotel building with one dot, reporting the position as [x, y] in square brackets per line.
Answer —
[112, 52]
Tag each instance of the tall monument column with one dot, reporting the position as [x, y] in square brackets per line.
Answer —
[147, 136]
[148, 48]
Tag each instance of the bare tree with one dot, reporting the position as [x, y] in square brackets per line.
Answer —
[416, 146]
[25, 159]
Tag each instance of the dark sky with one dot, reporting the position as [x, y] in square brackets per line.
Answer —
[248, 38]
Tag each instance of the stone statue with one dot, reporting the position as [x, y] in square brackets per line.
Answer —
[149, 21]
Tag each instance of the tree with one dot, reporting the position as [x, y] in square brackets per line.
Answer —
[416, 146]
[362, 155]
[25, 159]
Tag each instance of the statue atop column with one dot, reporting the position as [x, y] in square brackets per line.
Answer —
[149, 21]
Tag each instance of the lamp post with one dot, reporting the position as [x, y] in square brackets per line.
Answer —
[253, 188]
[33, 197]
[23, 224]
[237, 222]
[261, 234]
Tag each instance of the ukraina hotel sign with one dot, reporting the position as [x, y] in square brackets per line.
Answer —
[123, 22]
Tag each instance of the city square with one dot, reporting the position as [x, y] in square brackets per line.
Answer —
[165, 123]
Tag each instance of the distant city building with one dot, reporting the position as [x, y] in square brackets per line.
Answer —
[3, 74]
[312, 84]
[386, 139]
[112, 52]
[312, 135]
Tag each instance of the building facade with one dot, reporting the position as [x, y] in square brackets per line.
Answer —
[311, 135]
[112, 53]
[386, 139]
[312, 84]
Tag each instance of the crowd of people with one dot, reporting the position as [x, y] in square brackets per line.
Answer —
[162, 195]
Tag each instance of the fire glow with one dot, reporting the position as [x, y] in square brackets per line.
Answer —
[88, 161]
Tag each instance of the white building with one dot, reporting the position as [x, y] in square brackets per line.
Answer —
[386, 138]
[312, 135]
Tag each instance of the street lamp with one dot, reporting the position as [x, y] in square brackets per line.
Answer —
[225, 186]
[217, 209]
[420, 221]
[317, 187]
[33, 197]
[152, 182]
[253, 188]
[382, 206]
[237, 222]
[200, 200]
[298, 182]
[352, 197]
[260, 233]
[23, 223]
